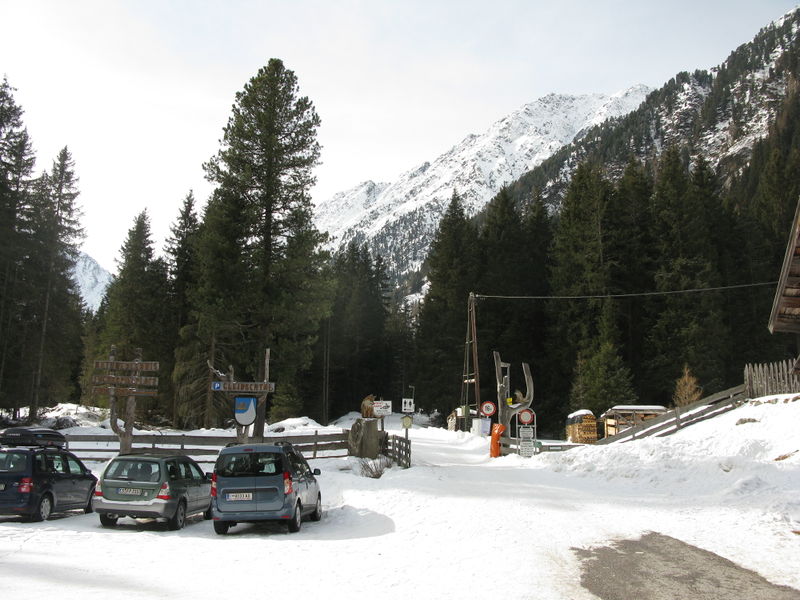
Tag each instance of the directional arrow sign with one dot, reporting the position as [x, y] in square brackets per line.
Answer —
[123, 391]
[125, 380]
[128, 365]
[243, 386]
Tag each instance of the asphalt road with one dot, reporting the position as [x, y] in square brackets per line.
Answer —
[658, 567]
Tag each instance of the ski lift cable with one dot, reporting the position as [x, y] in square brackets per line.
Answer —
[632, 295]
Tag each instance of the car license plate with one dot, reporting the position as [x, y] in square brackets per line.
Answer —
[129, 491]
[239, 496]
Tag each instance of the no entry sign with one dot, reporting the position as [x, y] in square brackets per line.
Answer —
[488, 408]
[525, 416]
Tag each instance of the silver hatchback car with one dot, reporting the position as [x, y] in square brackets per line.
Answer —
[147, 486]
[263, 482]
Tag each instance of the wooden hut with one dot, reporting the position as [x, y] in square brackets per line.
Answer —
[619, 418]
[785, 315]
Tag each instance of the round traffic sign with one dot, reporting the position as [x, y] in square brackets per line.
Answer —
[488, 408]
[525, 416]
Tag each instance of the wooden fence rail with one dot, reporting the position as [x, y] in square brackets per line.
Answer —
[316, 445]
[675, 419]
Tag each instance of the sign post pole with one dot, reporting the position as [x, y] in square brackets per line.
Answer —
[132, 384]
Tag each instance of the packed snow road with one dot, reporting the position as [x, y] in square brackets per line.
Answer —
[457, 524]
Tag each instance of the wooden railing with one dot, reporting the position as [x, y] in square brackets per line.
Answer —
[204, 449]
[677, 418]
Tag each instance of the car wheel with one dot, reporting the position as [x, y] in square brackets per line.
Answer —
[44, 508]
[107, 520]
[296, 521]
[221, 527]
[178, 520]
[317, 514]
[88, 508]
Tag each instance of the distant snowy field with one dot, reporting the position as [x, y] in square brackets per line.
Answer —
[456, 525]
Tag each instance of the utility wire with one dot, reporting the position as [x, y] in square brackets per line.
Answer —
[635, 295]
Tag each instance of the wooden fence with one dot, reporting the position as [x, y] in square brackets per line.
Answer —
[759, 380]
[773, 378]
[677, 418]
[400, 450]
[203, 449]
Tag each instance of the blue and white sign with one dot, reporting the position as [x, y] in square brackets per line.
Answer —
[216, 385]
[244, 410]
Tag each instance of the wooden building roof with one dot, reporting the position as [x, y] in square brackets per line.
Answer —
[785, 315]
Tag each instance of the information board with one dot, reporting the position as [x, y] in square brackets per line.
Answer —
[382, 408]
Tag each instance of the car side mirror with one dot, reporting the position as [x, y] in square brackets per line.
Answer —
[317, 472]
[208, 476]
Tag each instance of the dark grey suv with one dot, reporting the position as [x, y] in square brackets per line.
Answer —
[146, 486]
[263, 482]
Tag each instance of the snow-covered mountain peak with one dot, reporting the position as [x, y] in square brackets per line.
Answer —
[398, 220]
[92, 280]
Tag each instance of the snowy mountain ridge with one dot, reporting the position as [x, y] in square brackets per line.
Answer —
[92, 280]
[399, 219]
[719, 114]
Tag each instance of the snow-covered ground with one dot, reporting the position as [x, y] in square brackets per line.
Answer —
[457, 524]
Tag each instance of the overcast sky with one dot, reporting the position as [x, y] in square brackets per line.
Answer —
[140, 90]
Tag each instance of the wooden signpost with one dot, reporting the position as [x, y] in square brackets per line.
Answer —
[130, 385]
[240, 389]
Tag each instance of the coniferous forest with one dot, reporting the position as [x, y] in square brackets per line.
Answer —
[584, 291]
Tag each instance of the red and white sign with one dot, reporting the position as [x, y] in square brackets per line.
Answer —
[488, 408]
[382, 408]
[525, 416]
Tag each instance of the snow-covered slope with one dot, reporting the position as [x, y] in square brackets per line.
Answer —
[399, 219]
[729, 485]
[92, 280]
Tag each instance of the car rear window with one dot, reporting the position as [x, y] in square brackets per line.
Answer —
[248, 464]
[13, 462]
[134, 470]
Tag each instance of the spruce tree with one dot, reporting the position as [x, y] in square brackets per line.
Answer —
[358, 353]
[57, 304]
[220, 298]
[139, 313]
[631, 248]
[16, 168]
[689, 328]
[581, 266]
[181, 251]
[453, 274]
[602, 379]
[264, 169]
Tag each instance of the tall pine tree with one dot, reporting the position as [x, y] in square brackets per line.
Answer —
[264, 167]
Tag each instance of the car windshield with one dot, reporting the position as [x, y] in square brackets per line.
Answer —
[12, 462]
[247, 464]
[134, 470]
